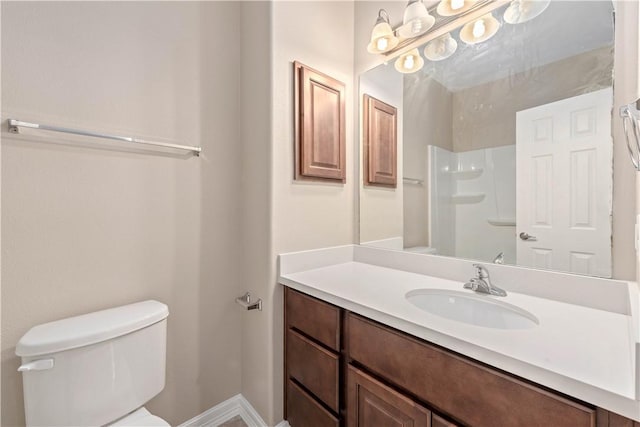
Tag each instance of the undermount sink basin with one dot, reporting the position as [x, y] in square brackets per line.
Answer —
[478, 310]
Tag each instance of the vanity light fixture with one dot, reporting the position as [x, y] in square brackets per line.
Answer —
[382, 37]
[440, 48]
[403, 42]
[520, 11]
[454, 7]
[416, 21]
[480, 30]
[409, 62]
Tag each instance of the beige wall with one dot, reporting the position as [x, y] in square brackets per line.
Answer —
[305, 215]
[485, 115]
[257, 327]
[427, 121]
[626, 88]
[86, 229]
[310, 214]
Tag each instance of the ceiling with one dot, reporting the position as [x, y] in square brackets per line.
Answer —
[564, 29]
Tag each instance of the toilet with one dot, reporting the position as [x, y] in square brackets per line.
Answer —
[96, 369]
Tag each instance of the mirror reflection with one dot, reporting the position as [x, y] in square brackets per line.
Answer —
[504, 142]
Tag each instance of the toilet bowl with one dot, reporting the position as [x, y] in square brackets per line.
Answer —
[96, 369]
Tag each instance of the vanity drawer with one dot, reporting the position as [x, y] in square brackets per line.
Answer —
[313, 317]
[315, 367]
[474, 394]
[304, 411]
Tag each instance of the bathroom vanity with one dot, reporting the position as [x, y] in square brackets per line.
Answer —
[358, 353]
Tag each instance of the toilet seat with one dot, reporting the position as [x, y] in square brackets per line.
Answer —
[140, 418]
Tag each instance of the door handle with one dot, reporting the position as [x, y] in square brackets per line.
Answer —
[527, 237]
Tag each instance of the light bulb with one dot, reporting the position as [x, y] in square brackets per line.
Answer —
[524, 10]
[457, 4]
[479, 28]
[416, 26]
[408, 62]
[382, 37]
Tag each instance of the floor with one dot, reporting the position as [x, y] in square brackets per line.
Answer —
[234, 422]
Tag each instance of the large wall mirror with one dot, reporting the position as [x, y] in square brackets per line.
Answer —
[504, 146]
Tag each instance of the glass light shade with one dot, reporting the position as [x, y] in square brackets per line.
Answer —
[440, 48]
[480, 30]
[416, 21]
[454, 7]
[382, 37]
[520, 11]
[409, 62]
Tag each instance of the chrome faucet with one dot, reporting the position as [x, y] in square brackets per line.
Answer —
[482, 283]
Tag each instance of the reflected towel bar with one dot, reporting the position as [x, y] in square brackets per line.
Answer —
[15, 125]
[414, 181]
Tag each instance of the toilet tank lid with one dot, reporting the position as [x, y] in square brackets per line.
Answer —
[90, 328]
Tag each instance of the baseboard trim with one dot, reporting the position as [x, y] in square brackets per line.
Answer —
[249, 415]
[224, 411]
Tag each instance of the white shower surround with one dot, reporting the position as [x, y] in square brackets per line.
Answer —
[472, 215]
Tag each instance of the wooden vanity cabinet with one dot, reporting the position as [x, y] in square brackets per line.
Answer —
[345, 370]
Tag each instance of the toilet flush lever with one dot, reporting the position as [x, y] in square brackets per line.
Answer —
[37, 365]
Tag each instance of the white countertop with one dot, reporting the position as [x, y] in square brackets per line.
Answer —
[581, 351]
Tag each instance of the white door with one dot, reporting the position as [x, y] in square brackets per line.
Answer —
[564, 184]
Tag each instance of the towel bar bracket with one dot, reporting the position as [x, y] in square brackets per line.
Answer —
[245, 301]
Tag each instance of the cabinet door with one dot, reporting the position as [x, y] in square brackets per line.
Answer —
[438, 421]
[371, 403]
[320, 125]
[380, 142]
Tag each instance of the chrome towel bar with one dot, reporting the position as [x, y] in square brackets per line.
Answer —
[15, 125]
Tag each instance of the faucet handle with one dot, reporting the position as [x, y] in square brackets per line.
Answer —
[471, 284]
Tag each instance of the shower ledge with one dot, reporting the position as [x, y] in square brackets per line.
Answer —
[467, 198]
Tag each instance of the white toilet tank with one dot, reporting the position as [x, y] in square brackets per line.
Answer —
[95, 368]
